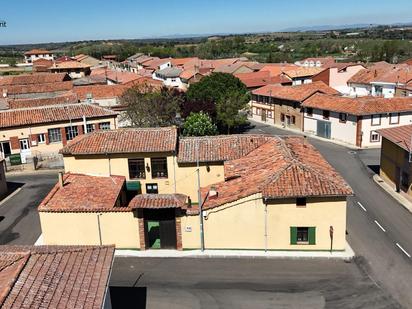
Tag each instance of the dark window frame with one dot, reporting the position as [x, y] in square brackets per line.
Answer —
[390, 118]
[301, 201]
[343, 119]
[71, 132]
[137, 168]
[326, 114]
[309, 111]
[55, 135]
[374, 141]
[159, 171]
[380, 120]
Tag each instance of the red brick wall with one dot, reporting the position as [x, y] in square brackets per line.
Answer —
[359, 131]
[14, 143]
[64, 139]
[33, 138]
[80, 129]
[47, 138]
[179, 245]
[141, 230]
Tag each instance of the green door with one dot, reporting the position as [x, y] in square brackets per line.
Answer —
[153, 231]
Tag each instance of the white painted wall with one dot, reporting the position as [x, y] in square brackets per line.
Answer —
[31, 58]
[343, 132]
[359, 90]
[388, 90]
[367, 128]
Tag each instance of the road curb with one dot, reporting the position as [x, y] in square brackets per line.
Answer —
[31, 172]
[399, 198]
[10, 195]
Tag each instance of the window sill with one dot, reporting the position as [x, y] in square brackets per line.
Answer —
[166, 177]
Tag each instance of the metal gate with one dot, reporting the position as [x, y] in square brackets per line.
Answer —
[323, 129]
[160, 228]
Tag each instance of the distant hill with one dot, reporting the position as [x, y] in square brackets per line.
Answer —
[340, 27]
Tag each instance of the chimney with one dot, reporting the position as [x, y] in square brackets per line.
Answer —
[4, 93]
[213, 192]
[61, 180]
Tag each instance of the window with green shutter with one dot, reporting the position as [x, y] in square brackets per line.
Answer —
[293, 235]
[312, 235]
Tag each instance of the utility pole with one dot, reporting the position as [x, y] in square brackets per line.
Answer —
[199, 197]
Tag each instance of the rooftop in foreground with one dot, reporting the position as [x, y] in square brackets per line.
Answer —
[54, 276]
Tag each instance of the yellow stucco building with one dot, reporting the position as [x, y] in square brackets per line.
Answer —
[257, 192]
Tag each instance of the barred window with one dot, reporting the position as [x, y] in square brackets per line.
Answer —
[104, 126]
[159, 167]
[55, 135]
[90, 127]
[136, 169]
[71, 132]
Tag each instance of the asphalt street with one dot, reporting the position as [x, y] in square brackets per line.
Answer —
[379, 229]
[243, 283]
[19, 220]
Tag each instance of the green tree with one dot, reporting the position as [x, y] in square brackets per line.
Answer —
[213, 87]
[199, 124]
[149, 107]
[232, 109]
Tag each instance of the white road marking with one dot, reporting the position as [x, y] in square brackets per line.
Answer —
[403, 250]
[361, 206]
[380, 226]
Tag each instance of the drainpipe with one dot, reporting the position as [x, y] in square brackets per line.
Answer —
[174, 170]
[266, 225]
[199, 197]
[98, 226]
[110, 164]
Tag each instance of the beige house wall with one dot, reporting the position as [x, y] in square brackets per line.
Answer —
[43, 148]
[241, 225]
[181, 178]
[119, 228]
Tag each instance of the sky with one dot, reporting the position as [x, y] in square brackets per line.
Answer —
[43, 21]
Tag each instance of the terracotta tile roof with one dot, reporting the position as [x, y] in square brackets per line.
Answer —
[70, 65]
[80, 57]
[261, 78]
[33, 79]
[399, 74]
[119, 77]
[140, 140]
[63, 98]
[295, 93]
[287, 167]
[155, 63]
[365, 76]
[400, 136]
[231, 68]
[39, 88]
[158, 201]
[177, 62]
[359, 106]
[51, 114]
[322, 60]
[54, 276]
[188, 74]
[37, 52]
[85, 193]
[302, 72]
[218, 148]
[99, 92]
[278, 68]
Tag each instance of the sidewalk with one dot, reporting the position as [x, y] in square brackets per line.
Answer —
[33, 172]
[347, 255]
[397, 196]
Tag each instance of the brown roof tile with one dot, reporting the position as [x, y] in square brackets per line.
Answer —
[64, 98]
[51, 114]
[140, 140]
[36, 52]
[158, 201]
[33, 79]
[85, 193]
[99, 91]
[295, 93]
[54, 276]
[400, 136]
[367, 105]
[365, 76]
[302, 72]
[286, 167]
[218, 148]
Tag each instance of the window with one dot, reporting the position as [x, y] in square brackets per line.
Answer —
[137, 169]
[90, 127]
[269, 114]
[394, 118]
[375, 120]
[375, 137]
[159, 167]
[24, 144]
[325, 114]
[71, 132]
[301, 201]
[302, 235]
[151, 188]
[292, 120]
[343, 117]
[378, 90]
[104, 126]
[282, 117]
[55, 135]
[309, 111]
[41, 138]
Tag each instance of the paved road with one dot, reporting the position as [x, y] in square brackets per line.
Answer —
[243, 283]
[379, 228]
[20, 223]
